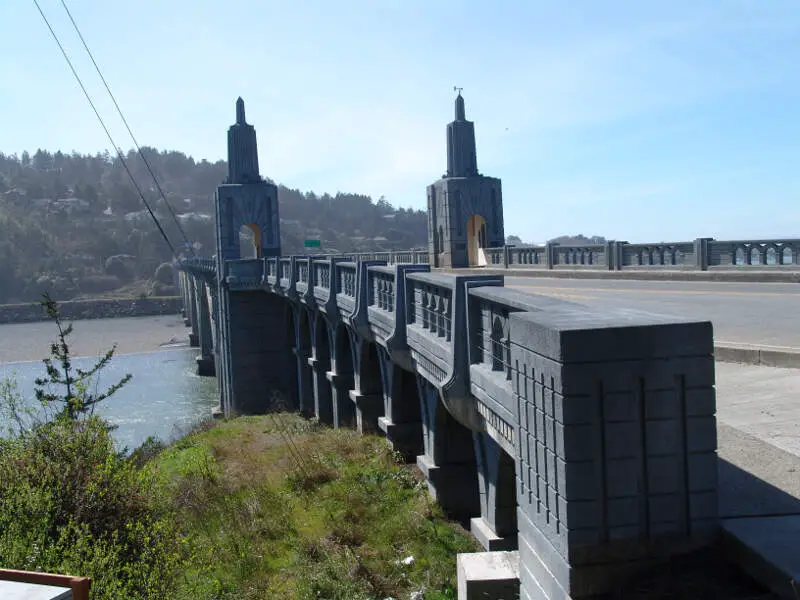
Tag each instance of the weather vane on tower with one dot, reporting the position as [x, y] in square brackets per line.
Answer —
[457, 89]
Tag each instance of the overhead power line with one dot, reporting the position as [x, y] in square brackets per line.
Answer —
[125, 121]
[108, 134]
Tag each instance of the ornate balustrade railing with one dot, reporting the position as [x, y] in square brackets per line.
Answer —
[701, 254]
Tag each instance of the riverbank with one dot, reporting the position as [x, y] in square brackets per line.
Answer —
[258, 507]
[21, 342]
[102, 308]
[331, 514]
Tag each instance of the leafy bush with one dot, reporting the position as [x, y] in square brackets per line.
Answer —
[70, 503]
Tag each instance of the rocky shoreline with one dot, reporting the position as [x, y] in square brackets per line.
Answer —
[93, 309]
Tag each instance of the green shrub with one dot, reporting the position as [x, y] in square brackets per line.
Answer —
[70, 503]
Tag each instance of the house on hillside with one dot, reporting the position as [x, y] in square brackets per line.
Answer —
[72, 205]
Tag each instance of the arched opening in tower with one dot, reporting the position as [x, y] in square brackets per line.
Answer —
[477, 241]
[249, 241]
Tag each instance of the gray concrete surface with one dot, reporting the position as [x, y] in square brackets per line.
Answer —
[761, 314]
[763, 402]
[15, 590]
[759, 471]
[488, 575]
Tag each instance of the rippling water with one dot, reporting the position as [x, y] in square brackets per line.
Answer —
[164, 396]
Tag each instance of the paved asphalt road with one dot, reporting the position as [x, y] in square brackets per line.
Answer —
[762, 314]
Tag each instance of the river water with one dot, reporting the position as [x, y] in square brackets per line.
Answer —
[164, 397]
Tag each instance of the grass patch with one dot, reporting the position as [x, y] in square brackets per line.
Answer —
[330, 514]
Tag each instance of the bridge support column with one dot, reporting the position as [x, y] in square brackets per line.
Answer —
[187, 311]
[305, 382]
[194, 339]
[323, 401]
[496, 528]
[259, 372]
[367, 395]
[205, 361]
[181, 287]
[216, 343]
[368, 409]
[449, 459]
[343, 409]
[401, 420]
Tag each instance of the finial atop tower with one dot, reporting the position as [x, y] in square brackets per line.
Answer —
[461, 160]
[242, 150]
[240, 111]
[460, 112]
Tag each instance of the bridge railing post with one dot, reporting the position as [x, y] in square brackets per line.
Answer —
[617, 262]
[611, 258]
[615, 444]
[701, 252]
[550, 254]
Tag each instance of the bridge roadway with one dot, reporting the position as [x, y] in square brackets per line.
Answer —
[765, 315]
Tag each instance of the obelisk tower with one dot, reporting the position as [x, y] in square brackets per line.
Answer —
[245, 199]
[465, 208]
[257, 364]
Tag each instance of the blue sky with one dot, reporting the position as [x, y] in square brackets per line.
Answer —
[640, 121]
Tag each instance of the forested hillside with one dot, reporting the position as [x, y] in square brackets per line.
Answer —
[74, 224]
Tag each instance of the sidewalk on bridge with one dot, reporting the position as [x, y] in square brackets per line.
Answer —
[758, 414]
[743, 274]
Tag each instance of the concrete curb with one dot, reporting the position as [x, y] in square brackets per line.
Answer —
[744, 276]
[753, 355]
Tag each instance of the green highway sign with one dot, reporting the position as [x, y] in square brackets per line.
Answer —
[312, 243]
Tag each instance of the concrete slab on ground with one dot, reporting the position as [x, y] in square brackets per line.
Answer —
[761, 401]
[488, 575]
[768, 549]
[16, 590]
[758, 432]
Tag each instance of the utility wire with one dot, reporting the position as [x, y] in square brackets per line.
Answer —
[108, 134]
[125, 121]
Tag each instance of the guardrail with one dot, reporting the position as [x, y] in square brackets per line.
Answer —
[701, 254]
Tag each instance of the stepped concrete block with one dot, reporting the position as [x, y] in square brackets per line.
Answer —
[488, 576]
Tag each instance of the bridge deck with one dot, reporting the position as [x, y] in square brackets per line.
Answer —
[758, 314]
